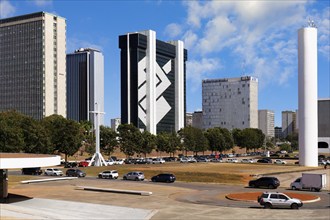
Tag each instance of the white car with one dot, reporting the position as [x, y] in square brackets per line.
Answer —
[278, 161]
[247, 161]
[109, 162]
[109, 174]
[53, 172]
[232, 160]
[280, 200]
[158, 160]
[119, 162]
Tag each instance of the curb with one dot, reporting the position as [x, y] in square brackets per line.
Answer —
[47, 180]
[134, 192]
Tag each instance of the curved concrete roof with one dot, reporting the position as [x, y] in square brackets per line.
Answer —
[19, 160]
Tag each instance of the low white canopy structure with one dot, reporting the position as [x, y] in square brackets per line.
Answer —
[15, 160]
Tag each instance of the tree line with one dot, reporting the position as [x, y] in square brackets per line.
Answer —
[56, 134]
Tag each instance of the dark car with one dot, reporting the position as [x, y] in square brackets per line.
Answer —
[32, 171]
[75, 172]
[164, 177]
[267, 182]
[264, 160]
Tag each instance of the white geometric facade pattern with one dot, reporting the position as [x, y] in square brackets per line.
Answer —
[162, 83]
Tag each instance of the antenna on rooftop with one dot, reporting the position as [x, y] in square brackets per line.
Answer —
[311, 23]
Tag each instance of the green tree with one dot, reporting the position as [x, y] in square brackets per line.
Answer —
[167, 142]
[11, 135]
[162, 142]
[148, 142]
[36, 139]
[193, 139]
[237, 136]
[129, 138]
[66, 135]
[228, 139]
[215, 139]
[108, 140]
[252, 138]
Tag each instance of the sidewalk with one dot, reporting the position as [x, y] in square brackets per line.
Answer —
[58, 209]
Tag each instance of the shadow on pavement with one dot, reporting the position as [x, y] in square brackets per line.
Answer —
[12, 198]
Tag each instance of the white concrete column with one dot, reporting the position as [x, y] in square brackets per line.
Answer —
[151, 81]
[179, 85]
[307, 92]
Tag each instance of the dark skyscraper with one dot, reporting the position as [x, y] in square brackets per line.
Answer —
[152, 82]
[85, 84]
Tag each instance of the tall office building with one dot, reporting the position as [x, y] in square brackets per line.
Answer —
[288, 123]
[189, 118]
[197, 119]
[152, 82]
[278, 133]
[85, 84]
[230, 103]
[115, 122]
[324, 125]
[266, 122]
[32, 64]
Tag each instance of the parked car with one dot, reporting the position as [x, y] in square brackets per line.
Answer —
[70, 164]
[53, 172]
[136, 175]
[164, 177]
[232, 160]
[32, 171]
[216, 160]
[279, 200]
[264, 161]
[158, 161]
[83, 164]
[75, 172]
[108, 174]
[267, 182]
[118, 162]
[279, 161]
[247, 161]
[109, 162]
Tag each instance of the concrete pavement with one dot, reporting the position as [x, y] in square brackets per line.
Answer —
[168, 201]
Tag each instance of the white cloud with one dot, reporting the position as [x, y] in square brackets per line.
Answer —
[263, 33]
[200, 69]
[173, 30]
[189, 39]
[74, 44]
[6, 9]
[323, 23]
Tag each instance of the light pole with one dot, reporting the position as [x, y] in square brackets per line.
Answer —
[97, 157]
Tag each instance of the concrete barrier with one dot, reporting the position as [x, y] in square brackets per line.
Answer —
[134, 192]
[47, 180]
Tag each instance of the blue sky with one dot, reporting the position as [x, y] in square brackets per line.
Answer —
[224, 39]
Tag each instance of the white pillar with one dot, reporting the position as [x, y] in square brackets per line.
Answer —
[151, 81]
[307, 92]
[179, 85]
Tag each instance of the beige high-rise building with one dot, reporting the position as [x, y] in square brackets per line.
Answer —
[288, 123]
[266, 122]
[33, 64]
[230, 103]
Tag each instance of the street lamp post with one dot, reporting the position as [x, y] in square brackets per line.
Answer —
[97, 157]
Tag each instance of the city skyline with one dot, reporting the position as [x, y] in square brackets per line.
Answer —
[224, 39]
